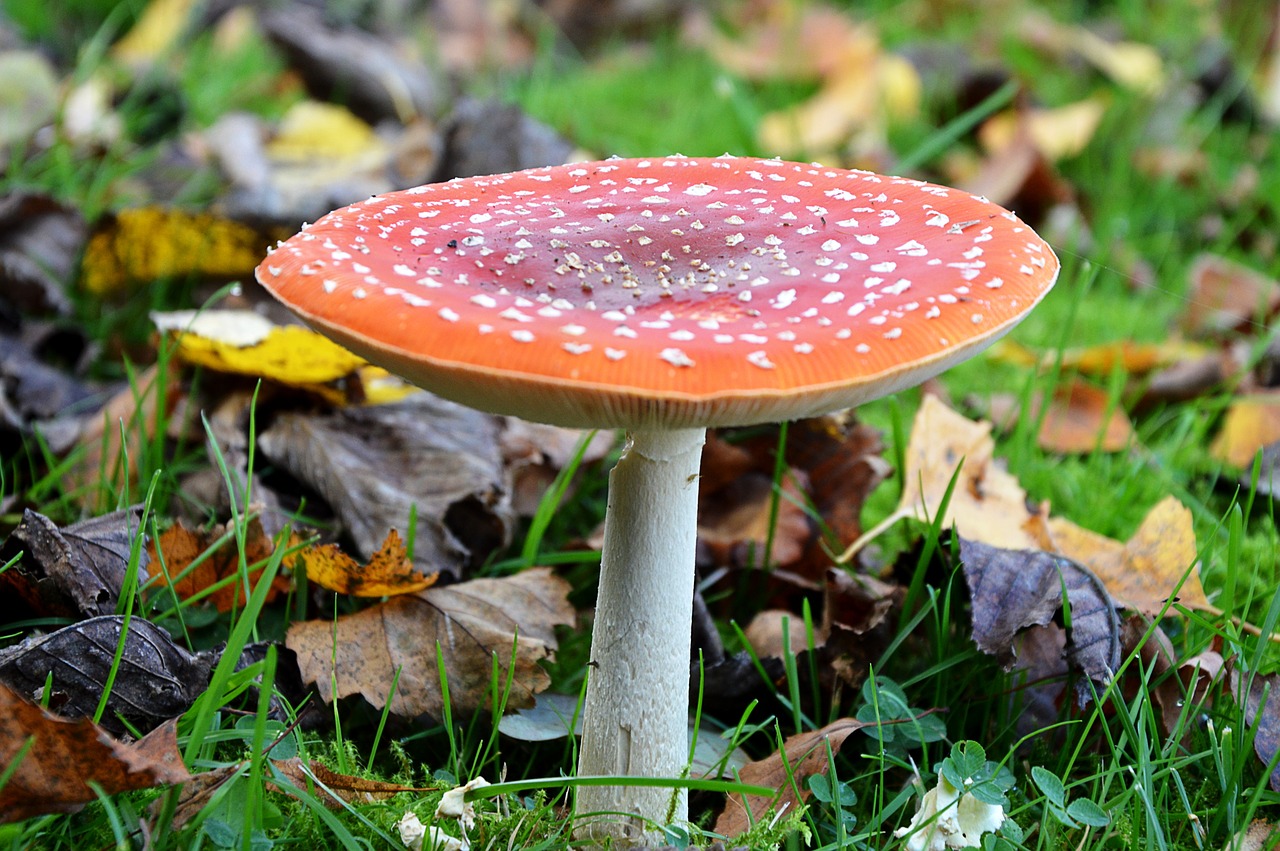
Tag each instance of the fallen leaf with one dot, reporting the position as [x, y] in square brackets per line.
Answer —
[76, 570]
[987, 504]
[374, 464]
[1014, 590]
[787, 770]
[494, 137]
[139, 246]
[31, 102]
[338, 789]
[1134, 65]
[54, 761]
[1141, 574]
[1226, 296]
[156, 32]
[473, 625]
[738, 521]
[1102, 360]
[312, 130]
[68, 670]
[244, 343]
[1260, 697]
[1251, 423]
[1260, 835]
[1082, 418]
[32, 390]
[387, 573]
[535, 453]
[40, 241]
[204, 565]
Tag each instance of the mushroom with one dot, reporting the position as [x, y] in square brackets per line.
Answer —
[661, 296]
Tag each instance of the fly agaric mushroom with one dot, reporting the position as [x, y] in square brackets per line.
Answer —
[661, 296]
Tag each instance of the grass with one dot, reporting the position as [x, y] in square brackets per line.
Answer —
[1194, 788]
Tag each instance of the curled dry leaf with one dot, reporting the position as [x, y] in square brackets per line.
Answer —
[204, 565]
[473, 625]
[76, 570]
[1013, 590]
[787, 770]
[337, 789]
[387, 573]
[70, 668]
[375, 464]
[54, 761]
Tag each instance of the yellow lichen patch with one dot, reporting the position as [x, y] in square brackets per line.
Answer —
[150, 243]
[389, 571]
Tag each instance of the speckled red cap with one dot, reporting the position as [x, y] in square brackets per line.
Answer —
[667, 292]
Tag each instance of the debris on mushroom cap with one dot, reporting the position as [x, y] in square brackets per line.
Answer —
[666, 292]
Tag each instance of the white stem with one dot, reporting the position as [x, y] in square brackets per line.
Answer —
[636, 719]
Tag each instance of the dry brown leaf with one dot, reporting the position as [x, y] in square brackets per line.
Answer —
[1225, 296]
[342, 788]
[174, 558]
[56, 760]
[787, 770]
[1081, 418]
[1251, 422]
[474, 625]
[1142, 573]
[787, 41]
[1260, 697]
[737, 522]
[387, 573]
[1260, 835]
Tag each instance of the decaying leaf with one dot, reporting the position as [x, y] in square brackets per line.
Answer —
[387, 573]
[787, 770]
[1056, 133]
[337, 789]
[1142, 573]
[374, 464]
[1013, 590]
[1259, 696]
[739, 522]
[1100, 361]
[535, 453]
[68, 669]
[473, 625]
[141, 245]
[204, 565]
[32, 390]
[56, 760]
[76, 570]
[40, 240]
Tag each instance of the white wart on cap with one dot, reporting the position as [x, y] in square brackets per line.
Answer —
[666, 293]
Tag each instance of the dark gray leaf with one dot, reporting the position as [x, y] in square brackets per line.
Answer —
[156, 679]
[80, 568]
[1260, 697]
[1012, 590]
[40, 242]
[372, 464]
[490, 137]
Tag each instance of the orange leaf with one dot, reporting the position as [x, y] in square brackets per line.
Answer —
[202, 564]
[55, 760]
[389, 571]
[1080, 418]
[1251, 423]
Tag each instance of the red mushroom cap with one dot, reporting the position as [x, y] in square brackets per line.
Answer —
[665, 293]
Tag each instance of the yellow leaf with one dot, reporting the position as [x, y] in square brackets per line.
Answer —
[313, 130]
[1250, 424]
[149, 243]
[389, 571]
[1142, 573]
[1057, 133]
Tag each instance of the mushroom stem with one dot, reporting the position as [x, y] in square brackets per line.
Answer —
[636, 718]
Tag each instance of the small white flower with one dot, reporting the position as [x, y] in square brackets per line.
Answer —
[947, 819]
